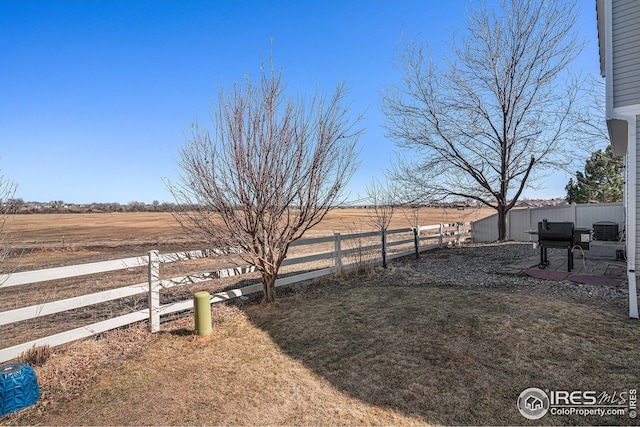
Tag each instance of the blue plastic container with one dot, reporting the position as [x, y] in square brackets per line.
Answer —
[18, 387]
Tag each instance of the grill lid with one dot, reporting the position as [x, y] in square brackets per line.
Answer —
[555, 231]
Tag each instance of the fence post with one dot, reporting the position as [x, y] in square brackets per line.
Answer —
[440, 237]
[384, 248]
[530, 222]
[337, 248]
[473, 235]
[154, 291]
[416, 240]
[459, 238]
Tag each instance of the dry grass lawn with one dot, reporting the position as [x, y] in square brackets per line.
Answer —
[361, 350]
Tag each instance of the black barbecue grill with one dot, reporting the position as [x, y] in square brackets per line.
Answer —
[561, 235]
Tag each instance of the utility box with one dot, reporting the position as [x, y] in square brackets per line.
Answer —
[605, 231]
[582, 237]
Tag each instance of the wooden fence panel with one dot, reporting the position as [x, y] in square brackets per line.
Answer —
[46, 274]
[59, 306]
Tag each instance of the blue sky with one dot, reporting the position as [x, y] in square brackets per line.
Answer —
[97, 95]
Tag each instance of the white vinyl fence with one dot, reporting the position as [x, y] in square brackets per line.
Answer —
[521, 220]
[423, 238]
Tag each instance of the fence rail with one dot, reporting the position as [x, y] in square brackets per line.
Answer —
[421, 239]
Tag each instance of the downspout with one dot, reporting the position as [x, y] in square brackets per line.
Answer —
[631, 220]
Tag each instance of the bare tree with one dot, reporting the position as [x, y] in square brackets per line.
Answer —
[7, 191]
[601, 177]
[498, 115]
[383, 200]
[591, 123]
[270, 171]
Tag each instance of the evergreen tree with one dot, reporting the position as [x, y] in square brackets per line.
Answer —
[601, 181]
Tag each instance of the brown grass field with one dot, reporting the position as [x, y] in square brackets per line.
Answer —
[150, 227]
[383, 347]
[51, 240]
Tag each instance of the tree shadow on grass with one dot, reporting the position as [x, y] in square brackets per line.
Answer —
[444, 356]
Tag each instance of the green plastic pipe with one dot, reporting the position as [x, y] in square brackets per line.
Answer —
[202, 313]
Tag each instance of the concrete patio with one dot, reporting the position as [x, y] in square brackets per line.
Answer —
[587, 267]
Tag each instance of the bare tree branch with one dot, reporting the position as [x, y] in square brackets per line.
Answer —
[383, 200]
[7, 192]
[271, 170]
[498, 115]
[591, 121]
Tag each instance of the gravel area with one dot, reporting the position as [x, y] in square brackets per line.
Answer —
[486, 267]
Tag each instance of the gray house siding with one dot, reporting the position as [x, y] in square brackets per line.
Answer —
[619, 47]
[626, 52]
